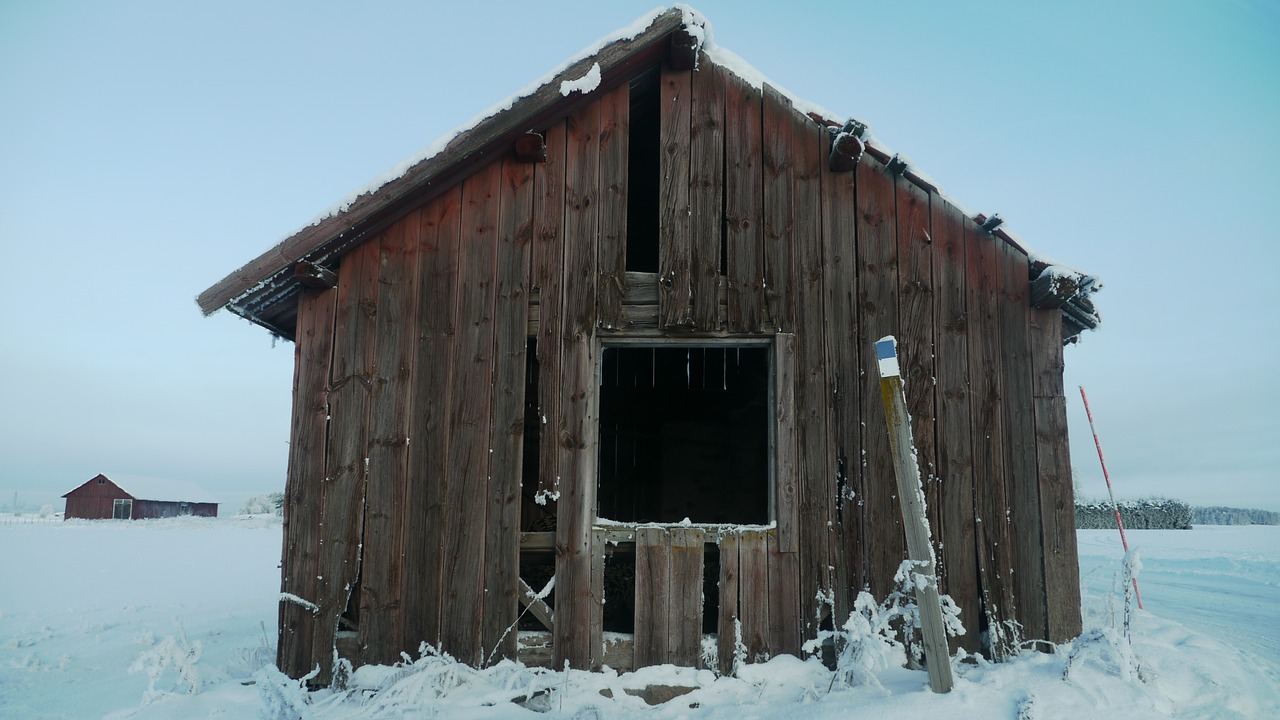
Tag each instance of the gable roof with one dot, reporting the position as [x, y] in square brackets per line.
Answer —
[263, 290]
[149, 488]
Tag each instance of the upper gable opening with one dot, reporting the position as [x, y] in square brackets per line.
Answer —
[643, 174]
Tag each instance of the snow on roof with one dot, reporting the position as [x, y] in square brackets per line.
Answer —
[583, 85]
[149, 488]
[694, 23]
[697, 25]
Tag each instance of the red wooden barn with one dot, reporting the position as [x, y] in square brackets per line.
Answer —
[621, 334]
[137, 498]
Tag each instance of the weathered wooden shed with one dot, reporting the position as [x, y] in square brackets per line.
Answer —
[622, 332]
[137, 498]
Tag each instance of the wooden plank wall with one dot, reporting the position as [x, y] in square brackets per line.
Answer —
[342, 507]
[958, 561]
[404, 507]
[1053, 470]
[991, 506]
[313, 352]
[418, 359]
[668, 596]
[381, 627]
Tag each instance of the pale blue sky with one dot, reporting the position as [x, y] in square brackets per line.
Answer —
[149, 148]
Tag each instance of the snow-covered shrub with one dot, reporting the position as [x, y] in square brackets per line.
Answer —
[247, 661]
[269, 504]
[1132, 566]
[284, 697]
[867, 644]
[1103, 650]
[879, 636]
[172, 653]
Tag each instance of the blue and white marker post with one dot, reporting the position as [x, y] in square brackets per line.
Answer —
[911, 499]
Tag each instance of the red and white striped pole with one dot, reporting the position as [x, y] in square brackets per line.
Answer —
[1106, 476]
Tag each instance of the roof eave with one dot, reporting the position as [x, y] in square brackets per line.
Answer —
[264, 282]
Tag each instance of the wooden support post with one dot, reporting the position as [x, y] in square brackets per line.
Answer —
[911, 499]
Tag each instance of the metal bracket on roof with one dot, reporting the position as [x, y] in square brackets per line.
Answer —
[896, 167]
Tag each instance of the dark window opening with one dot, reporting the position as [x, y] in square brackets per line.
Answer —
[534, 516]
[122, 510]
[684, 433]
[643, 171]
[619, 611]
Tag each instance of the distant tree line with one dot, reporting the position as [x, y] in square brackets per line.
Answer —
[1233, 516]
[1148, 514]
[269, 504]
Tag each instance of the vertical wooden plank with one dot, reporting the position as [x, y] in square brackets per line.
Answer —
[754, 597]
[547, 279]
[743, 228]
[381, 614]
[995, 558]
[777, 164]
[706, 192]
[878, 301]
[313, 352]
[675, 289]
[342, 522]
[958, 560]
[575, 600]
[684, 628]
[845, 382]
[785, 501]
[502, 534]
[1053, 470]
[465, 505]
[727, 626]
[596, 631]
[1020, 447]
[815, 459]
[784, 598]
[614, 140]
[429, 424]
[1061, 561]
[916, 335]
[653, 580]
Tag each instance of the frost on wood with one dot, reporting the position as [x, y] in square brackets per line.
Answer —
[290, 597]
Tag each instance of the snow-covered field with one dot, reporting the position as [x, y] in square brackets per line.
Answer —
[175, 619]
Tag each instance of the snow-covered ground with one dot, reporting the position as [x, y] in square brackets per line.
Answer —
[175, 619]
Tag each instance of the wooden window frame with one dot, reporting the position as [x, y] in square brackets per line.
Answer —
[780, 431]
[126, 503]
